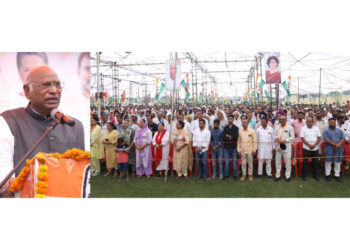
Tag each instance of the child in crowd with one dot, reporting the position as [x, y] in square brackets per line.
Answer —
[123, 158]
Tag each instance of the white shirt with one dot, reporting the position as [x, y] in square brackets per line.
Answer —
[7, 143]
[170, 128]
[310, 135]
[201, 138]
[211, 122]
[266, 144]
[103, 129]
[345, 128]
[165, 122]
[195, 124]
[238, 123]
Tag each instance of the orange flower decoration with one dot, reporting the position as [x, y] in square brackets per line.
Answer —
[43, 175]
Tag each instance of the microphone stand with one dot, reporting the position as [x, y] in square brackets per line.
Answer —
[31, 149]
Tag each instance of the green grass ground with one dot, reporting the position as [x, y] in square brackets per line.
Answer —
[109, 187]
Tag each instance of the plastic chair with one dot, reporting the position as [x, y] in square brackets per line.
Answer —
[346, 147]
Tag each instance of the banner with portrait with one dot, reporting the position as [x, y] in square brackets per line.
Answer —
[72, 68]
[173, 73]
[272, 67]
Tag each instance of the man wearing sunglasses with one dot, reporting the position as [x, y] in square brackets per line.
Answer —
[20, 128]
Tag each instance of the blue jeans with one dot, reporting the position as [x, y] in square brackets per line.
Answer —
[204, 157]
[230, 153]
[214, 156]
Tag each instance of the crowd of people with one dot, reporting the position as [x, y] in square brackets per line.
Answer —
[220, 141]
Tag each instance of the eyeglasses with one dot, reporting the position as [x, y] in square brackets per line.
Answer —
[48, 85]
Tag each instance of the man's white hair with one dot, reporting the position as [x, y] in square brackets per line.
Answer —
[29, 75]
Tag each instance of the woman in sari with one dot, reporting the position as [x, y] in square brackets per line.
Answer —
[181, 141]
[96, 148]
[109, 140]
[161, 149]
[273, 75]
[142, 142]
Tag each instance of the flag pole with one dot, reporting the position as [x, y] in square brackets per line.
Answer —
[172, 108]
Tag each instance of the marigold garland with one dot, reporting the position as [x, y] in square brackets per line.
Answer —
[43, 176]
[18, 182]
[40, 196]
[74, 153]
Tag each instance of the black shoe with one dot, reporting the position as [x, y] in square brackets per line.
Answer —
[316, 178]
[269, 177]
[288, 179]
[277, 179]
[235, 178]
[259, 177]
[328, 178]
[199, 177]
[337, 178]
[303, 178]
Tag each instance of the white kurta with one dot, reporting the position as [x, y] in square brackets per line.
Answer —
[266, 142]
[170, 127]
[163, 165]
[238, 123]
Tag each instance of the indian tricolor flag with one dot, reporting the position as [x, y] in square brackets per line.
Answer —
[106, 95]
[201, 94]
[123, 96]
[184, 84]
[285, 85]
[260, 82]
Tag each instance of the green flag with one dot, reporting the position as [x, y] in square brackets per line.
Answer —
[200, 98]
[251, 97]
[187, 95]
[162, 86]
[284, 84]
[261, 84]
[183, 84]
[267, 95]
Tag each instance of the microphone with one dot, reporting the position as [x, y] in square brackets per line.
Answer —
[63, 118]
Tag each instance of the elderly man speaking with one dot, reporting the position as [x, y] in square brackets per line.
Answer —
[21, 127]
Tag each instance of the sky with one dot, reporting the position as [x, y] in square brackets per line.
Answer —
[229, 69]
